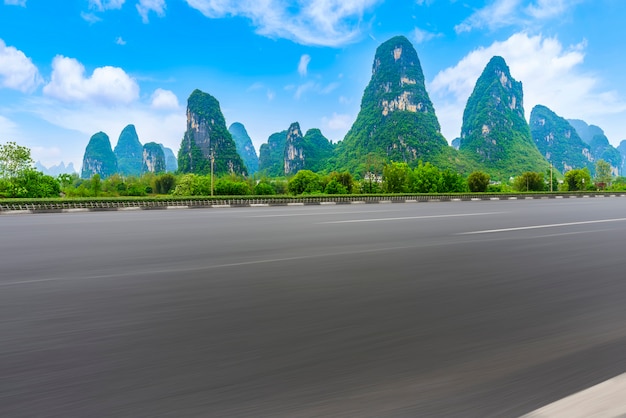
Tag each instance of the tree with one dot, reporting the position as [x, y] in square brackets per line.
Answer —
[396, 177]
[579, 179]
[305, 181]
[15, 160]
[478, 182]
[604, 176]
[529, 181]
[426, 179]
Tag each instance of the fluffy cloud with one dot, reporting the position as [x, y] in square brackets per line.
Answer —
[144, 7]
[17, 71]
[338, 122]
[316, 22]
[15, 3]
[107, 85]
[500, 13]
[550, 74]
[164, 99]
[303, 65]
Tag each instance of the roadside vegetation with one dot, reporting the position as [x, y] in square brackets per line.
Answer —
[18, 179]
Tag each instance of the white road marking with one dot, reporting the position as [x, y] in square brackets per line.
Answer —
[605, 400]
[523, 228]
[404, 218]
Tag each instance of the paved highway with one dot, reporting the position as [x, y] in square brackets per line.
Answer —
[432, 309]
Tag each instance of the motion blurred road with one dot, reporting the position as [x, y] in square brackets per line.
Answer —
[431, 309]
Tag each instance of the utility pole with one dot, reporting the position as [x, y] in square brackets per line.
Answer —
[212, 156]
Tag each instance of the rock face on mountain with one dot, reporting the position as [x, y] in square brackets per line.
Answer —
[294, 150]
[153, 158]
[207, 135]
[601, 149]
[99, 157]
[495, 132]
[244, 146]
[272, 155]
[128, 151]
[397, 120]
[622, 150]
[171, 163]
[586, 132]
[558, 141]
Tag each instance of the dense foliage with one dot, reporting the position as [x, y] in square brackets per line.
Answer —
[128, 152]
[18, 178]
[245, 147]
[495, 132]
[207, 135]
[478, 182]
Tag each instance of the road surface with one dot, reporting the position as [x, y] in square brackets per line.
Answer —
[485, 309]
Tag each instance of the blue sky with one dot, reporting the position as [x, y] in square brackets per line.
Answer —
[71, 68]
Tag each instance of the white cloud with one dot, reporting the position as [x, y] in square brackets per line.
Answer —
[17, 71]
[8, 129]
[15, 3]
[551, 76]
[338, 122]
[90, 17]
[501, 13]
[144, 7]
[120, 41]
[107, 85]
[312, 86]
[422, 36]
[164, 99]
[316, 22]
[304, 88]
[303, 65]
[102, 5]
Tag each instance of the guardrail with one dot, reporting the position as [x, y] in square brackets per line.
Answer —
[61, 205]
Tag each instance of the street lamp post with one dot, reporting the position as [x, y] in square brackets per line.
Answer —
[212, 164]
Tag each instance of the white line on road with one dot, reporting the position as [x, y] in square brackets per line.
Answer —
[404, 218]
[605, 400]
[523, 228]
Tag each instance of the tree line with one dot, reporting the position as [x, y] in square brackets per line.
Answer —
[19, 179]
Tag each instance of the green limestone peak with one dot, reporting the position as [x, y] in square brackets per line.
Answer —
[272, 153]
[207, 136]
[245, 147]
[495, 133]
[397, 119]
[558, 141]
[153, 160]
[128, 151]
[99, 157]
[294, 150]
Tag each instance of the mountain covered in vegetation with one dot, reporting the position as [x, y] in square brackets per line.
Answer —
[495, 132]
[272, 155]
[171, 163]
[55, 170]
[318, 151]
[207, 137]
[585, 131]
[245, 147]
[397, 120]
[153, 158]
[99, 157]
[128, 152]
[558, 141]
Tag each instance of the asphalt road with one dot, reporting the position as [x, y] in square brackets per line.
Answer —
[431, 309]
